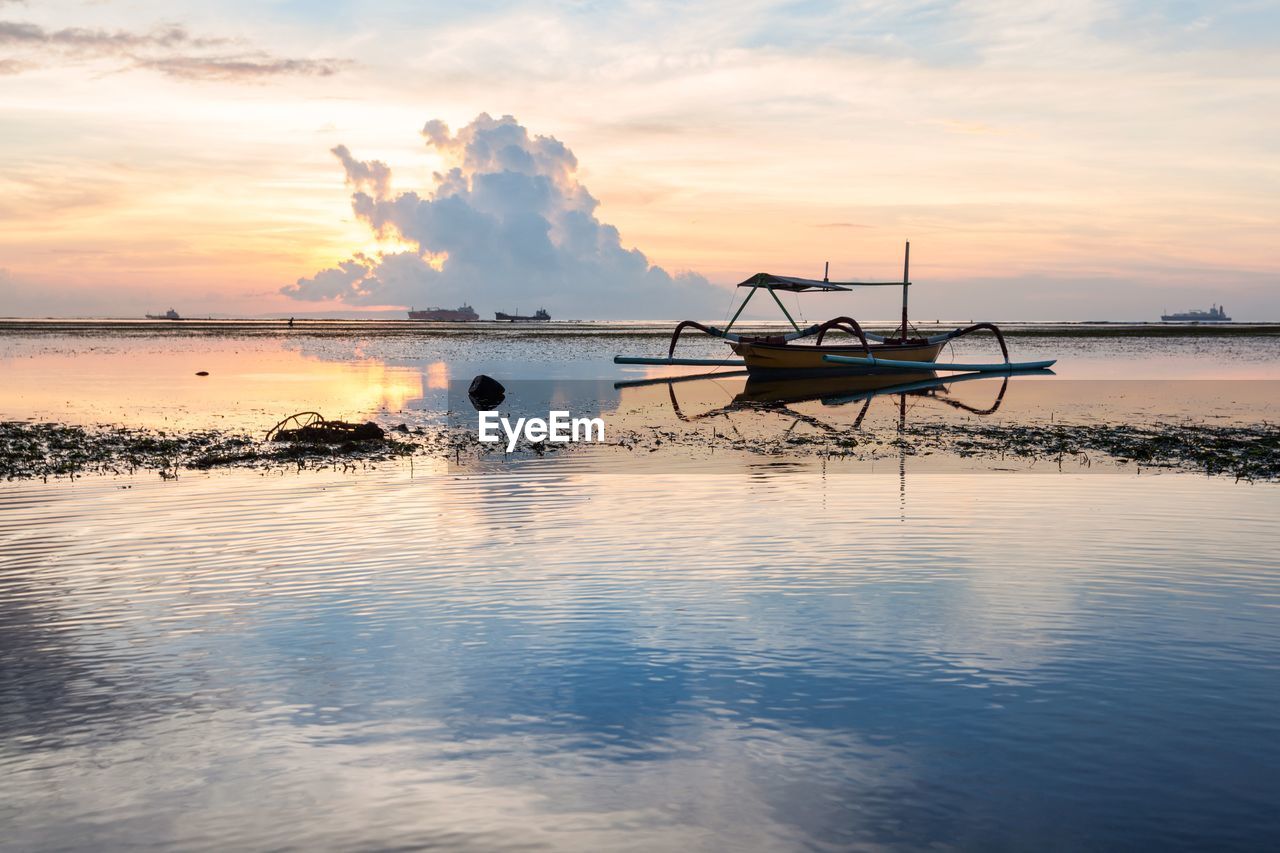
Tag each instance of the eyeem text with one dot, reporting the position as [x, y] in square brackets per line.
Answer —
[558, 427]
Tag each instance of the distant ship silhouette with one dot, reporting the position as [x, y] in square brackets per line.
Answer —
[540, 317]
[450, 315]
[1216, 314]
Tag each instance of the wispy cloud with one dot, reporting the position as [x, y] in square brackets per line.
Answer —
[99, 41]
[236, 69]
[169, 49]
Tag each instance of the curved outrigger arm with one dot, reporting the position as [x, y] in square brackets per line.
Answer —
[694, 324]
[951, 336]
[732, 336]
[844, 324]
[1006, 365]
[976, 327]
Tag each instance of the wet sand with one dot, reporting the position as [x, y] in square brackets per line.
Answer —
[112, 397]
[44, 451]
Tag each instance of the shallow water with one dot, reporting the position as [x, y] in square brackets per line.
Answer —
[773, 661]
[558, 657]
[254, 380]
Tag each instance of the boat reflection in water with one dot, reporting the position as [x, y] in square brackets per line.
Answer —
[780, 395]
[789, 398]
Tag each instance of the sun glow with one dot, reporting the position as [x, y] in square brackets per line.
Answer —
[436, 260]
[373, 386]
[390, 244]
[438, 376]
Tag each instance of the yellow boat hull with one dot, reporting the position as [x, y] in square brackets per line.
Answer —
[799, 359]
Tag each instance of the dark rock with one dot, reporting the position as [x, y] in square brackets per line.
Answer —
[401, 427]
[486, 393]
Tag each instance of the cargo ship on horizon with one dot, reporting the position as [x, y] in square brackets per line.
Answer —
[1216, 314]
[168, 315]
[464, 314]
[540, 317]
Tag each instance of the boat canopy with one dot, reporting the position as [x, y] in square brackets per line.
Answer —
[789, 282]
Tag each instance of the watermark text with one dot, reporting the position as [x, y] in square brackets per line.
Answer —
[558, 427]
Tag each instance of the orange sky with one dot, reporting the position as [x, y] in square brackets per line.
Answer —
[1102, 161]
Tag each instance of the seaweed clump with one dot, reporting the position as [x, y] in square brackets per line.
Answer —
[1244, 451]
[44, 450]
[1248, 452]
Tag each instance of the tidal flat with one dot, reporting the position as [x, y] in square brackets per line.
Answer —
[957, 614]
[1247, 452]
[119, 396]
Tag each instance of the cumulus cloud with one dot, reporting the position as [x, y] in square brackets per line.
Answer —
[168, 49]
[372, 177]
[506, 225]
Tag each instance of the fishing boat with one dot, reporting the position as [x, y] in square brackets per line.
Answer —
[782, 355]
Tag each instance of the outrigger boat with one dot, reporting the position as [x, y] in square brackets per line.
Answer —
[779, 355]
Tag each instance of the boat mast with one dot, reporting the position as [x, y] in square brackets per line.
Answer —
[906, 267]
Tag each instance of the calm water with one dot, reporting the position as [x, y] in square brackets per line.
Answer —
[107, 377]
[555, 657]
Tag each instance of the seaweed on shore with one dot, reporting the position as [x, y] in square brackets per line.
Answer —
[1249, 452]
[1252, 451]
[31, 450]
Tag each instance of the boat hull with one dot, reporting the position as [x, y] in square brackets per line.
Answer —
[802, 360]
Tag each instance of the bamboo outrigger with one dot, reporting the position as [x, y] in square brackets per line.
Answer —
[776, 355]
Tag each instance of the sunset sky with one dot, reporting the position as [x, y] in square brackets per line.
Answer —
[1047, 160]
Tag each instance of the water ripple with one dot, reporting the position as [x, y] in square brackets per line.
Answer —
[577, 661]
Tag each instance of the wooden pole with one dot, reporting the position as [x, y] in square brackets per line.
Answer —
[906, 282]
[783, 307]
[750, 293]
